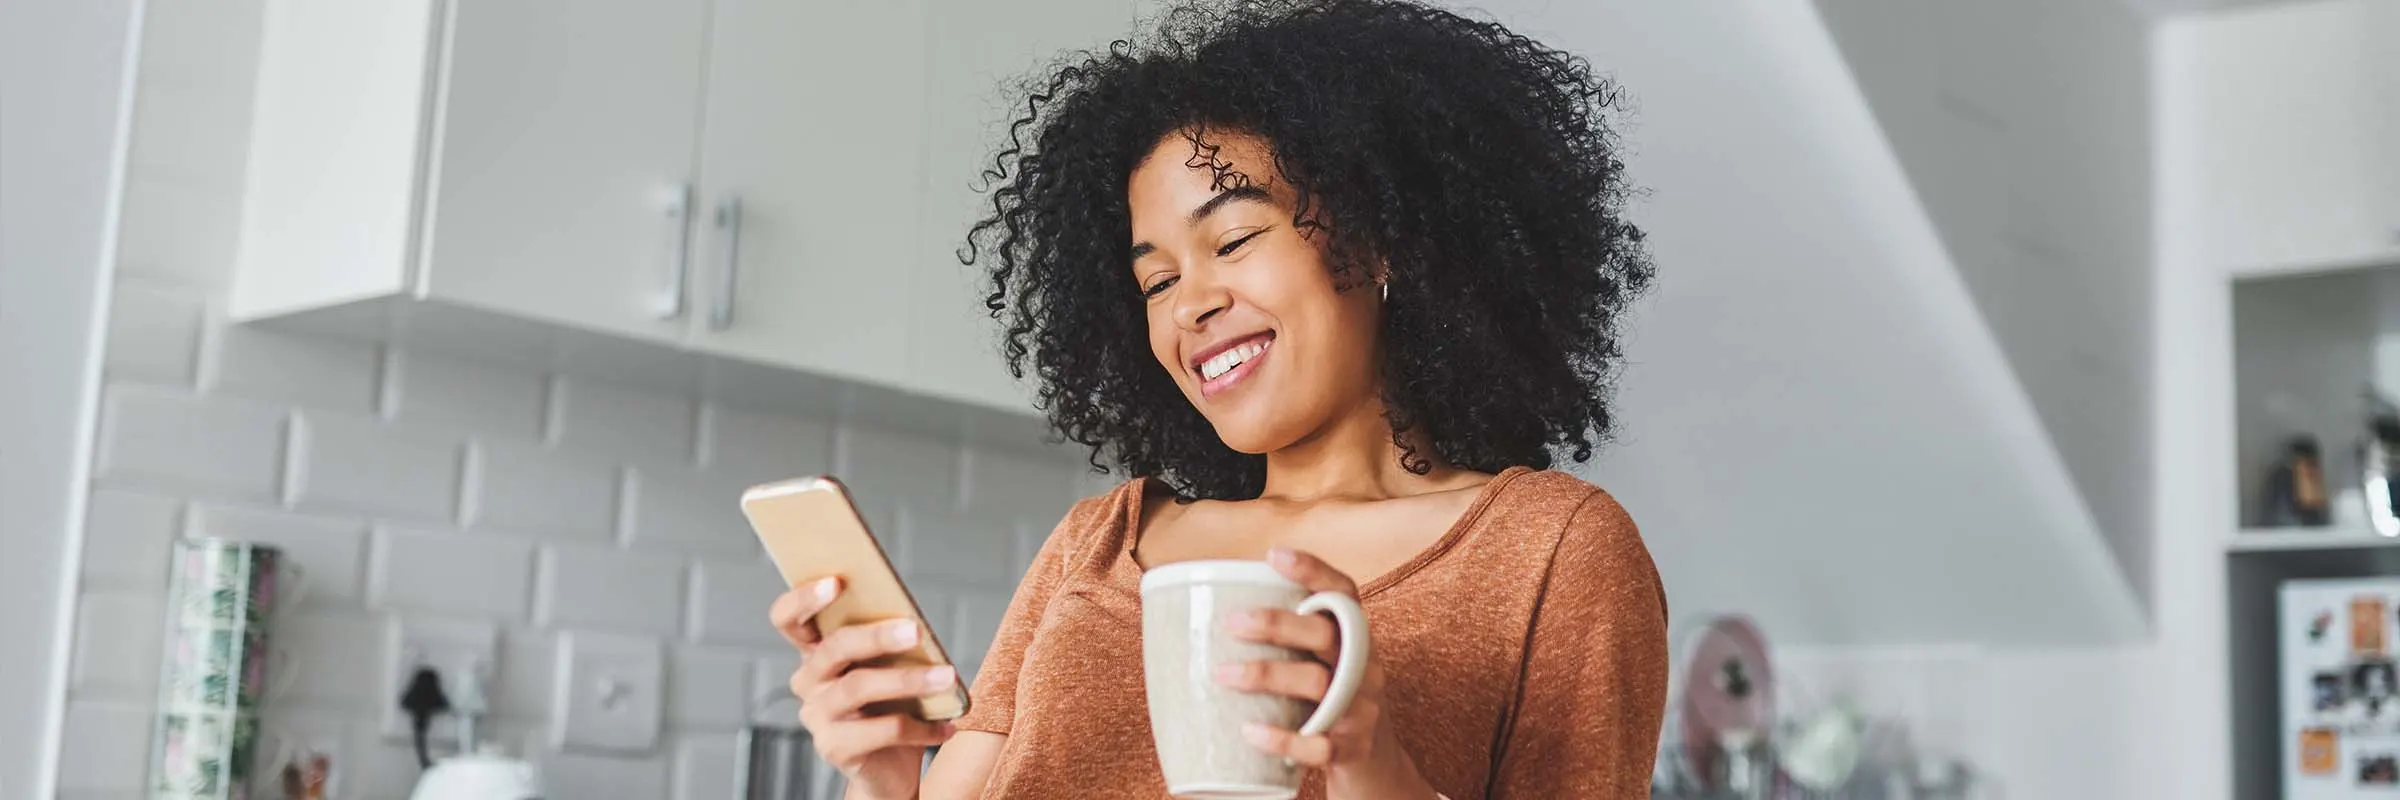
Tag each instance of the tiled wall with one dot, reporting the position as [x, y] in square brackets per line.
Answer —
[419, 488]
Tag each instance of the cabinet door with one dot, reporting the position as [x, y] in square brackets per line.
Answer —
[977, 52]
[2288, 127]
[565, 127]
[812, 127]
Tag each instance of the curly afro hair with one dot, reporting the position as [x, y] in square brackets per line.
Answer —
[1472, 167]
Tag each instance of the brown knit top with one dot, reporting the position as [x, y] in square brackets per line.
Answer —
[1525, 653]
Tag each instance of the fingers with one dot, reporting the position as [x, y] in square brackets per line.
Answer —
[1305, 680]
[1312, 751]
[863, 687]
[847, 742]
[841, 649]
[795, 612]
[1310, 572]
[1308, 633]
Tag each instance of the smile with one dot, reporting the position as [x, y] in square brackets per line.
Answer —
[1231, 364]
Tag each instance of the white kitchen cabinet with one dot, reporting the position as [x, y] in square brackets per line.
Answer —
[977, 54]
[813, 128]
[775, 185]
[2302, 135]
[518, 156]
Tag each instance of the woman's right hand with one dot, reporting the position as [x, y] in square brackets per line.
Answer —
[880, 756]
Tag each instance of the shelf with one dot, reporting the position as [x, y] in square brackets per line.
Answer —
[2280, 540]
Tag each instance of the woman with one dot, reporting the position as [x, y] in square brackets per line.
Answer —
[1336, 281]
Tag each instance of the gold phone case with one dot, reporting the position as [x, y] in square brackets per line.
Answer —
[812, 530]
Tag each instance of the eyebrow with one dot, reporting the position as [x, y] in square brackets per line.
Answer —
[1238, 194]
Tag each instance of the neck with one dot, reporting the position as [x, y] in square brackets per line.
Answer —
[1354, 458]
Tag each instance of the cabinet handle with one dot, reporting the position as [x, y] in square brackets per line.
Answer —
[729, 237]
[669, 302]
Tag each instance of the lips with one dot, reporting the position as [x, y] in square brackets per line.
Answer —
[1224, 363]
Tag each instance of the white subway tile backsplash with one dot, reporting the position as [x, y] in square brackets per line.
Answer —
[126, 537]
[329, 551]
[688, 511]
[528, 671]
[705, 767]
[974, 547]
[178, 233]
[449, 571]
[205, 446]
[153, 334]
[974, 621]
[306, 371]
[579, 775]
[771, 678]
[622, 423]
[359, 465]
[754, 447]
[1007, 484]
[117, 637]
[730, 600]
[888, 468]
[609, 589]
[526, 488]
[333, 661]
[381, 767]
[105, 746]
[430, 391]
[708, 689]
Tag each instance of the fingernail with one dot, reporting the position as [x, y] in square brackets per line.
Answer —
[939, 677]
[825, 588]
[1257, 733]
[902, 633]
[1244, 622]
[1228, 673]
[1280, 556]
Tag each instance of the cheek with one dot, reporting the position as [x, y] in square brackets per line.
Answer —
[1163, 339]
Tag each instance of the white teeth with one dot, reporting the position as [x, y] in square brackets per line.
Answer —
[1224, 362]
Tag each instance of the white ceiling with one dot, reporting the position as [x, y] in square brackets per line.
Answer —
[1820, 430]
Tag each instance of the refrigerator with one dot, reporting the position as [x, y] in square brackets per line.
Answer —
[2341, 716]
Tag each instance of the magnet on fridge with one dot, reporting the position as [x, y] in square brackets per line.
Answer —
[2320, 751]
[2382, 769]
[2366, 625]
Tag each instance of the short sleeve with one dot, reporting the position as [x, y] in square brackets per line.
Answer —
[1593, 693]
[995, 691]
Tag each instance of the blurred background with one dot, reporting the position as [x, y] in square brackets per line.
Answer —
[2007, 421]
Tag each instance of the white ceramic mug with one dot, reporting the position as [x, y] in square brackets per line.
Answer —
[1196, 722]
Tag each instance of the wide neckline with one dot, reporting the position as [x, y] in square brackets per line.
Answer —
[1125, 572]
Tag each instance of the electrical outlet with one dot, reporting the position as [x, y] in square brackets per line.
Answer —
[450, 647]
[610, 693]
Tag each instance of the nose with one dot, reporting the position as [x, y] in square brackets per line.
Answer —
[1198, 296]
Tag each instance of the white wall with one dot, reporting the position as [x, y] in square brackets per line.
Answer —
[63, 67]
[2025, 129]
[420, 488]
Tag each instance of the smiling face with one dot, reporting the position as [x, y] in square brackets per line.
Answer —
[1244, 310]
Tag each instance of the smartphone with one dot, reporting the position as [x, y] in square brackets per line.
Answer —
[812, 530]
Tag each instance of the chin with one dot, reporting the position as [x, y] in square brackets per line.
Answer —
[1253, 436]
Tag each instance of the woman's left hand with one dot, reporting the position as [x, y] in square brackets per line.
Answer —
[1360, 755]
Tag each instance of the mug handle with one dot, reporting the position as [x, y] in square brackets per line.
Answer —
[1350, 670]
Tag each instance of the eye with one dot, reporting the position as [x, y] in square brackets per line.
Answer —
[1236, 244]
[1155, 288]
